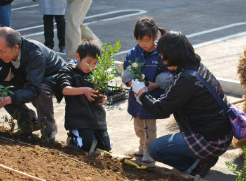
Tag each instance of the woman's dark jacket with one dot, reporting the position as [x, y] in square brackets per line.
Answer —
[38, 64]
[80, 113]
[191, 103]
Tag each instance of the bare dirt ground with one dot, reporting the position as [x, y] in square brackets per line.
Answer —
[60, 162]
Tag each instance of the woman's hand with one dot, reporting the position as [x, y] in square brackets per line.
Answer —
[137, 86]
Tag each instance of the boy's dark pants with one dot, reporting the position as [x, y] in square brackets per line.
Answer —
[88, 136]
[49, 30]
[44, 105]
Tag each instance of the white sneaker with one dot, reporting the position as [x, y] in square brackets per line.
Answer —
[138, 152]
[147, 159]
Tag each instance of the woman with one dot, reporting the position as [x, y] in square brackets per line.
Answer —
[205, 130]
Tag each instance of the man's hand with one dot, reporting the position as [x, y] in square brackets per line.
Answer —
[89, 93]
[4, 101]
[137, 86]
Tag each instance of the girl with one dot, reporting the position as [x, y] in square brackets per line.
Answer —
[146, 33]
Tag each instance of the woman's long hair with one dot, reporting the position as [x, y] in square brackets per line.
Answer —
[176, 49]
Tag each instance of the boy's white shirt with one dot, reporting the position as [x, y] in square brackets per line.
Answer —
[79, 139]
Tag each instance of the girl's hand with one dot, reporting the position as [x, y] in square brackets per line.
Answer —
[89, 93]
[103, 100]
[152, 86]
[130, 83]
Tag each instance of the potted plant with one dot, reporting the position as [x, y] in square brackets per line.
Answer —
[4, 91]
[135, 71]
[105, 70]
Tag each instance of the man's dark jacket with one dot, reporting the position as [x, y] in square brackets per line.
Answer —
[80, 113]
[38, 64]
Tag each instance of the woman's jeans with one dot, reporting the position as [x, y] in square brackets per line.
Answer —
[172, 150]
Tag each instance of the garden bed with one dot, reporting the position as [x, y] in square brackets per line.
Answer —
[60, 162]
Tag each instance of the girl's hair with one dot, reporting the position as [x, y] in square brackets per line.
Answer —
[176, 48]
[146, 26]
[89, 47]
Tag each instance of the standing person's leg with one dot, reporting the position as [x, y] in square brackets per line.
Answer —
[48, 31]
[139, 130]
[149, 135]
[60, 24]
[174, 151]
[87, 33]
[44, 105]
[5, 15]
[76, 13]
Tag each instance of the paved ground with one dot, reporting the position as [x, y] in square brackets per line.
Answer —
[120, 126]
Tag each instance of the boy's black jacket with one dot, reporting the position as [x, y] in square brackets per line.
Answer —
[80, 113]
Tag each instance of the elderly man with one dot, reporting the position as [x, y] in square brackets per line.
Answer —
[31, 68]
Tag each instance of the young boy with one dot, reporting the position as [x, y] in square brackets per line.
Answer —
[85, 121]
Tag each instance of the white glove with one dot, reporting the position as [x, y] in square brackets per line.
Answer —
[137, 86]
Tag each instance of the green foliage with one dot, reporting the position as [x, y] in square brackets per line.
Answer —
[105, 70]
[4, 91]
[135, 69]
[241, 174]
[11, 122]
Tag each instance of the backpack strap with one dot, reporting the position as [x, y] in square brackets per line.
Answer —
[212, 91]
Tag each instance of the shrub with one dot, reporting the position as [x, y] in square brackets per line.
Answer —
[241, 174]
[105, 70]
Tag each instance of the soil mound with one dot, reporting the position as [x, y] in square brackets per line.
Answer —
[31, 159]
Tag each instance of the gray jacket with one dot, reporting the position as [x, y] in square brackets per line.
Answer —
[52, 7]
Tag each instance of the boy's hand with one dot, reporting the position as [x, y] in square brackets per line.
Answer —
[90, 93]
[103, 100]
[152, 86]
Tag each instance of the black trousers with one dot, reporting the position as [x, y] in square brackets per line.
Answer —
[44, 106]
[88, 136]
[49, 30]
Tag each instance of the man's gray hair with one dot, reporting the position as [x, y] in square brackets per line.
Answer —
[11, 36]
